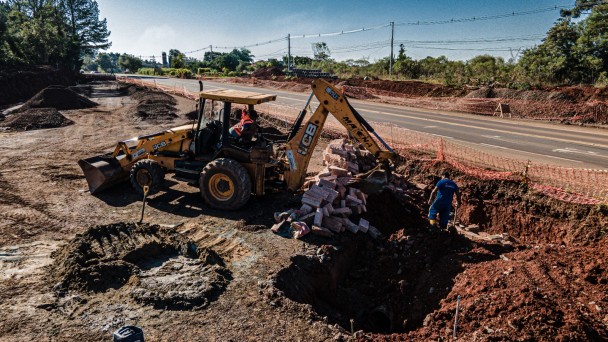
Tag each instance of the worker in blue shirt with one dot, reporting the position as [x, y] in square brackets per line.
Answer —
[445, 190]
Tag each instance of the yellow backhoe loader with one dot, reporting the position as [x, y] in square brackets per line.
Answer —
[228, 170]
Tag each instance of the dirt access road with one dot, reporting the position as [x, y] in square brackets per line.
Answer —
[71, 269]
[570, 146]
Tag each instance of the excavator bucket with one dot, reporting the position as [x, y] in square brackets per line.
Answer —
[102, 172]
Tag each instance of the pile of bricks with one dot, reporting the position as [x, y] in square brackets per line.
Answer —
[344, 155]
[329, 203]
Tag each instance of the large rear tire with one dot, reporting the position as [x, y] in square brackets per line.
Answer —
[225, 184]
[149, 173]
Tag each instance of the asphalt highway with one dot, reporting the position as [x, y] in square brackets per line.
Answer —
[570, 146]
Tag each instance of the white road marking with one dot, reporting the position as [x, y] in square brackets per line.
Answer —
[429, 127]
[538, 154]
[443, 136]
[574, 150]
[491, 136]
[537, 136]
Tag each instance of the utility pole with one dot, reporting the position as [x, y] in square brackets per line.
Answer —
[390, 67]
[211, 53]
[288, 52]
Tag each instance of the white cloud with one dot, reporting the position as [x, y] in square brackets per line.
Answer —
[153, 39]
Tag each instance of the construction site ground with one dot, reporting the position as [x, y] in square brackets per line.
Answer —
[546, 279]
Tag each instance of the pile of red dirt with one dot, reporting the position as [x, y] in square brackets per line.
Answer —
[35, 118]
[566, 94]
[406, 88]
[268, 72]
[543, 292]
[58, 97]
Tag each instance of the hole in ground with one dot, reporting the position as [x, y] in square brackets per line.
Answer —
[157, 266]
[406, 280]
[389, 285]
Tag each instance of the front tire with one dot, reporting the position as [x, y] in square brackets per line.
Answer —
[149, 173]
[225, 184]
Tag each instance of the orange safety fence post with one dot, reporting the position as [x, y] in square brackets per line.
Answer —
[440, 150]
[525, 177]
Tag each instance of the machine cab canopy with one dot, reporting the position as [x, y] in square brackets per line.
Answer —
[237, 96]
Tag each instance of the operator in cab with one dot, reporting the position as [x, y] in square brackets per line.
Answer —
[245, 124]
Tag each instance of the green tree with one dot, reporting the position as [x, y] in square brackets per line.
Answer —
[178, 61]
[592, 44]
[55, 32]
[107, 62]
[405, 66]
[485, 68]
[555, 60]
[86, 32]
[88, 62]
[302, 61]
[129, 62]
[321, 51]
[572, 52]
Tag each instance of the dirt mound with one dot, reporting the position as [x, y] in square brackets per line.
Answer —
[407, 88]
[35, 118]
[157, 266]
[153, 105]
[544, 293]
[58, 97]
[268, 72]
[527, 95]
[82, 89]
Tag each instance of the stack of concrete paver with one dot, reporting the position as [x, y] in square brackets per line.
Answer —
[329, 203]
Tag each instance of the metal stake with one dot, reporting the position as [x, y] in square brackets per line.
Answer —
[143, 207]
[456, 316]
[455, 216]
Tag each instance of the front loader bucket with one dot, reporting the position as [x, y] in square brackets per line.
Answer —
[102, 172]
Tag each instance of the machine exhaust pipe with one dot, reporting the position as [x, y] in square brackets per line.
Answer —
[103, 171]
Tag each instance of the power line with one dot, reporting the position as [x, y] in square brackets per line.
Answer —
[273, 53]
[473, 41]
[339, 33]
[505, 49]
[482, 18]
[239, 47]
[375, 45]
[437, 22]
[377, 27]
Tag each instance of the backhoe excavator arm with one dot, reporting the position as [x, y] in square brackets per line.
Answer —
[300, 148]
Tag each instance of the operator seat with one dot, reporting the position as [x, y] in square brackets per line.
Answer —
[207, 138]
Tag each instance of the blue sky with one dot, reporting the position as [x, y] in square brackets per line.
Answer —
[148, 27]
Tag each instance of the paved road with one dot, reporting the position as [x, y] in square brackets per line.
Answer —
[570, 146]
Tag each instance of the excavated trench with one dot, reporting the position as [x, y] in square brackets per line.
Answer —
[156, 266]
[393, 284]
[379, 284]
